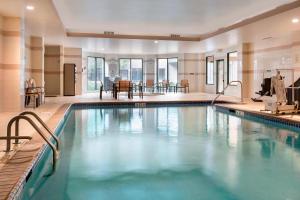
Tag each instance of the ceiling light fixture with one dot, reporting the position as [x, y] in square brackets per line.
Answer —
[156, 42]
[30, 7]
[295, 20]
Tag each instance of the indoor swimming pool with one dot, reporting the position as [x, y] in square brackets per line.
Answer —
[176, 152]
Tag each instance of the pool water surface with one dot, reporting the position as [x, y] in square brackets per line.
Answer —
[187, 152]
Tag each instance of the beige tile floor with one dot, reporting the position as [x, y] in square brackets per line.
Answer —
[44, 111]
[17, 164]
[258, 107]
[94, 97]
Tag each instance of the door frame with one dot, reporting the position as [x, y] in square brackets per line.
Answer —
[167, 67]
[87, 68]
[217, 75]
[65, 64]
[130, 67]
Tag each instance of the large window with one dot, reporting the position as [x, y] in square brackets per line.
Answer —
[136, 70]
[167, 69]
[125, 69]
[95, 73]
[162, 70]
[232, 67]
[172, 70]
[131, 69]
[209, 70]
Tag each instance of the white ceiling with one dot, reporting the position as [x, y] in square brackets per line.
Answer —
[278, 27]
[42, 21]
[158, 17]
[45, 21]
[14, 8]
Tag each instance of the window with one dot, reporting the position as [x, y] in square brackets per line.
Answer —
[136, 70]
[232, 67]
[125, 69]
[167, 69]
[162, 68]
[131, 69]
[172, 70]
[95, 73]
[209, 70]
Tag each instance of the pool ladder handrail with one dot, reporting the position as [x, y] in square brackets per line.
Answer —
[230, 84]
[9, 136]
[43, 124]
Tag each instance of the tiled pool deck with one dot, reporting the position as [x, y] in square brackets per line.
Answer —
[15, 165]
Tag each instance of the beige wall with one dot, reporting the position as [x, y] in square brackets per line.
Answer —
[192, 69]
[55, 57]
[245, 66]
[222, 55]
[12, 64]
[254, 59]
[277, 57]
[37, 60]
[53, 70]
[27, 58]
[1, 61]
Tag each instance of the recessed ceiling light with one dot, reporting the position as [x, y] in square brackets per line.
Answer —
[30, 7]
[295, 20]
[156, 42]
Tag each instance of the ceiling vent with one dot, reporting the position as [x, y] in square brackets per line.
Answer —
[108, 33]
[267, 38]
[175, 36]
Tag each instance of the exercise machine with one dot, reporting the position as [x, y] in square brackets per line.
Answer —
[265, 90]
[277, 102]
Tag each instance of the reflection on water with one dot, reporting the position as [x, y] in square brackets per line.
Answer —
[173, 122]
[172, 153]
[267, 147]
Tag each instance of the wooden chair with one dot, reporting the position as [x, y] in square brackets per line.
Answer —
[184, 84]
[32, 94]
[124, 86]
[172, 87]
[150, 85]
[164, 86]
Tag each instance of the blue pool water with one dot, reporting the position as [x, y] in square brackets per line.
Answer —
[190, 152]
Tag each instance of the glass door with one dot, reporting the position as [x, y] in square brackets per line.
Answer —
[167, 69]
[162, 69]
[95, 73]
[232, 67]
[220, 76]
[125, 69]
[136, 70]
[172, 70]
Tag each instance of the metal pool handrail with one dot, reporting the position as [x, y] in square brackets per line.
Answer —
[42, 123]
[9, 137]
[230, 84]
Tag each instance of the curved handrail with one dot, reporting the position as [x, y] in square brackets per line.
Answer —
[42, 123]
[230, 84]
[30, 121]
